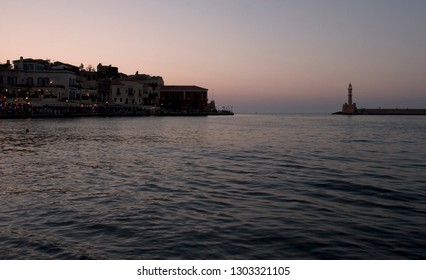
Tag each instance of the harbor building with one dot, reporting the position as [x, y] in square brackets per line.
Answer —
[151, 88]
[188, 98]
[87, 81]
[38, 87]
[127, 92]
[38, 81]
[105, 75]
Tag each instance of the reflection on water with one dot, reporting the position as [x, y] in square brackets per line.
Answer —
[242, 187]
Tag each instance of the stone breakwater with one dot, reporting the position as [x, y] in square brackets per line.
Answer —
[385, 112]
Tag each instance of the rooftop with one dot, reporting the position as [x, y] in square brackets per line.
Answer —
[182, 88]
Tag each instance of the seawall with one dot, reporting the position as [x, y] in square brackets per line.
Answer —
[115, 114]
[386, 112]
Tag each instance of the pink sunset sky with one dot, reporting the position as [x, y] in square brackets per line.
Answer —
[266, 56]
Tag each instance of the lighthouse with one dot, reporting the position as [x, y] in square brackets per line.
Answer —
[349, 107]
[350, 94]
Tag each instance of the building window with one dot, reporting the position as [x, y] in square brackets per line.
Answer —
[12, 80]
[30, 81]
[28, 67]
[43, 82]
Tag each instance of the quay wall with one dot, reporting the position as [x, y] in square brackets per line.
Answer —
[386, 112]
[114, 114]
[391, 111]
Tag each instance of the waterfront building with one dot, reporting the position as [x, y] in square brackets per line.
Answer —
[127, 92]
[105, 74]
[88, 83]
[38, 81]
[180, 97]
[151, 87]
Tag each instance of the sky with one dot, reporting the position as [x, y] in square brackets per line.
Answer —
[264, 56]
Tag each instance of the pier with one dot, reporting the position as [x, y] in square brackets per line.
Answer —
[350, 108]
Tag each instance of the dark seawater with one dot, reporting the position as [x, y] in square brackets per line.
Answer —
[241, 187]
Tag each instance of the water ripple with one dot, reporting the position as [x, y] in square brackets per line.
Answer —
[246, 187]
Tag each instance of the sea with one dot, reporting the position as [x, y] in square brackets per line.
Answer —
[248, 186]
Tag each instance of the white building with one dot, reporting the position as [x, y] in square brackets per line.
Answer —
[35, 79]
[151, 88]
[127, 92]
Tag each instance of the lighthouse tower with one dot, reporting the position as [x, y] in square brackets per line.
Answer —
[350, 94]
[349, 107]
